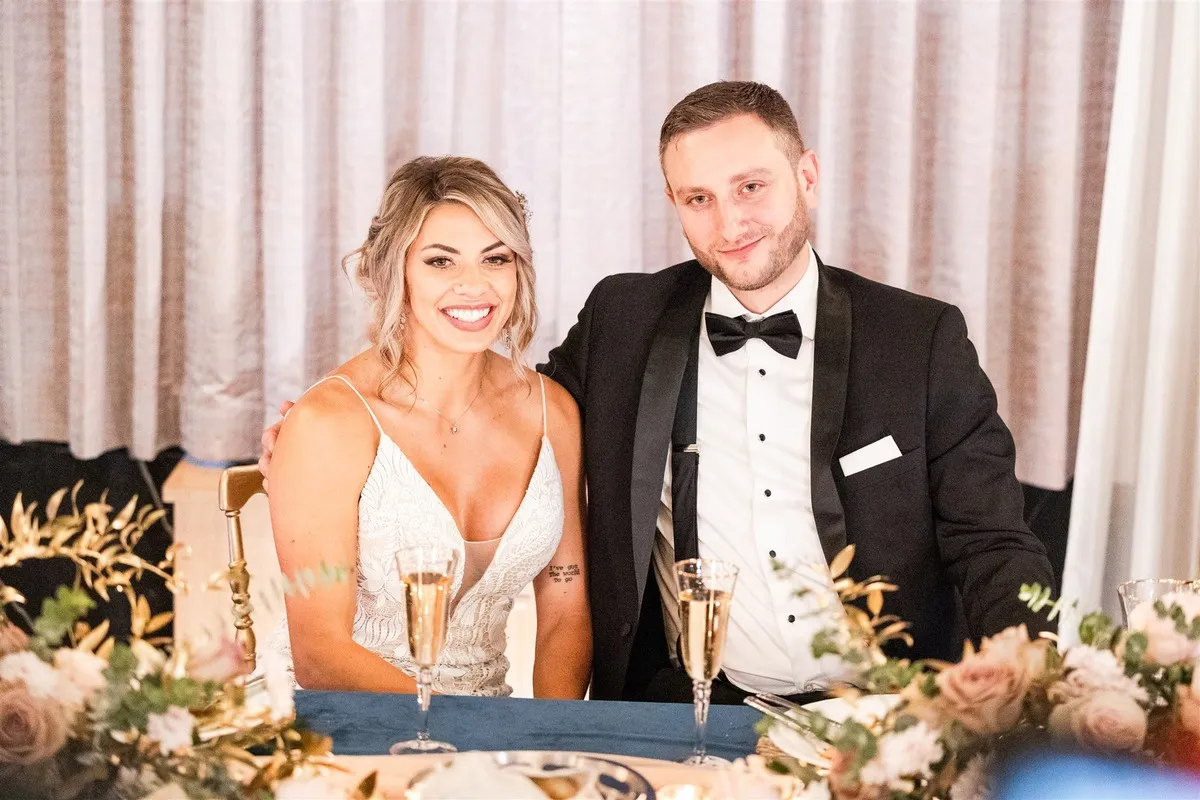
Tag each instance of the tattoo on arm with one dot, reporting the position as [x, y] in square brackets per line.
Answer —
[564, 573]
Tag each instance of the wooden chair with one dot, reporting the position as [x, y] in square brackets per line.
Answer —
[238, 485]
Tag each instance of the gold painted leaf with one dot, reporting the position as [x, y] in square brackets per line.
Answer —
[94, 638]
[126, 514]
[841, 562]
[875, 602]
[141, 615]
[9, 594]
[53, 503]
[158, 621]
[893, 629]
[105, 650]
[18, 519]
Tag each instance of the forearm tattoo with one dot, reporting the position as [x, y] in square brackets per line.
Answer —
[564, 573]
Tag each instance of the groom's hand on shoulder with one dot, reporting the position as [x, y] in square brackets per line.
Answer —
[269, 438]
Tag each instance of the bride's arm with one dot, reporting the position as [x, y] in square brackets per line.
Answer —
[562, 666]
[321, 461]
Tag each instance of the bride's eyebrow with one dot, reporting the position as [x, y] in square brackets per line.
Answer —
[445, 247]
[492, 247]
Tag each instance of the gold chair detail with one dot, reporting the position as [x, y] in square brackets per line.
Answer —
[238, 485]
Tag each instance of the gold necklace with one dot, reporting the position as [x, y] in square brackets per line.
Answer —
[453, 422]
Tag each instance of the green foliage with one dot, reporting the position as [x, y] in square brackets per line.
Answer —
[60, 613]
[1097, 629]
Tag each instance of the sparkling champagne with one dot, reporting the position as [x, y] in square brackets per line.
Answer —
[427, 601]
[704, 614]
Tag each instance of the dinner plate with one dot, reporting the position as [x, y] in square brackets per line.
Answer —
[806, 747]
[593, 777]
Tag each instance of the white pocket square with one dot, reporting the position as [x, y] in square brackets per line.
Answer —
[872, 455]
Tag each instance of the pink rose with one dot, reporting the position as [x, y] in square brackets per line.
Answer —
[222, 663]
[1164, 644]
[986, 691]
[1106, 720]
[1013, 644]
[12, 639]
[31, 730]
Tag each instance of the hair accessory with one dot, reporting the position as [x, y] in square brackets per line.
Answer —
[524, 205]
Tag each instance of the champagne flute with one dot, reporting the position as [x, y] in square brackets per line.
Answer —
[427, 572]
[705, 596]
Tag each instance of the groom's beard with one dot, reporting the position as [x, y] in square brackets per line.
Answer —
[786, 248]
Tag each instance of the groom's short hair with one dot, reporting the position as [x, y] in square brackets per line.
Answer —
[723, 100]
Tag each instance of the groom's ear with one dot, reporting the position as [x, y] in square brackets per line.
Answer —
[670, 195]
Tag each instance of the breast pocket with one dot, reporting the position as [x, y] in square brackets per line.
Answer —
[887, 471]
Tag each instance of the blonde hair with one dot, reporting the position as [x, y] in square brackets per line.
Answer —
[379, 263]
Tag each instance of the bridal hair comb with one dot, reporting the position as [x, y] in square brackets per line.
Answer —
[524, 203]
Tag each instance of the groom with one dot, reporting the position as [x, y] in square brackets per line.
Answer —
[759, 406]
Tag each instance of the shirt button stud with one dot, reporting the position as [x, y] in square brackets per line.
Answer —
[762, 437]
[771, 554]
[762, 372]
[791, 617]
[767, 492]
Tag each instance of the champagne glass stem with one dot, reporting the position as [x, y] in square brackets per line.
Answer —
[423, 681]
[701, 694]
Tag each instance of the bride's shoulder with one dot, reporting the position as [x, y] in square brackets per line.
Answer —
[338, 405]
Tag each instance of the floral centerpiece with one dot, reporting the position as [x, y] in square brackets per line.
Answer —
[83, 715]
[1133, 690]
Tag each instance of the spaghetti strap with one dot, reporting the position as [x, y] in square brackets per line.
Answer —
[545, 427]
[366, 405]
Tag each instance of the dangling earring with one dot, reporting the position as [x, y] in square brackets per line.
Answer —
[403, 319]
[508, 338]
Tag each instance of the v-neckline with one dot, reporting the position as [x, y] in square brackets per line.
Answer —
[545, 443]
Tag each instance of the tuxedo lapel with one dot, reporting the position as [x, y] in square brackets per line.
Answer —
[831, 367]
[674, 337]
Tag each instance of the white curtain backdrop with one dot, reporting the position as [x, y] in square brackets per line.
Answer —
[178, 180]
[1136, 507]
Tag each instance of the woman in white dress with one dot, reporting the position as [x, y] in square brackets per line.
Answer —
[431, 436]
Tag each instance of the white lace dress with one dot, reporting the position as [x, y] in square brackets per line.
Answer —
[398, 508]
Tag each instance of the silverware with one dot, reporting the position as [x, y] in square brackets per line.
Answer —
[796, 717]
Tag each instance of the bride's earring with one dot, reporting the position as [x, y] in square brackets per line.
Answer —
[508, 338]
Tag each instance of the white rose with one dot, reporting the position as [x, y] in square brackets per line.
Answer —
[909, 753]
[40, 679]
[172, 730]
[1089, 670]
[1164, 644]
[81, 674]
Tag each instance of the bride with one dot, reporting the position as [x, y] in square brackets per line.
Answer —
[430, 435]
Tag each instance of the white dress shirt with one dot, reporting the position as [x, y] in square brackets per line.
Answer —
[754, 501]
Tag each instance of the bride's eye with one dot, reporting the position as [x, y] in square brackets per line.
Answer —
[440, 262]
[498, 260]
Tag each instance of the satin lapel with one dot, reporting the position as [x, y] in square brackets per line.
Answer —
[656, 412]
[831, 368]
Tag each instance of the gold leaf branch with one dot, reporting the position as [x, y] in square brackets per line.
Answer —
[99, 545]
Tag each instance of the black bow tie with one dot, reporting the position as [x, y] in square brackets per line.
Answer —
[780, 331]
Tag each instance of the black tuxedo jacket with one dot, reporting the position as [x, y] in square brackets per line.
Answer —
[943, 521]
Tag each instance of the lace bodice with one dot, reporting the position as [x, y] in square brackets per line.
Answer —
[398, 508]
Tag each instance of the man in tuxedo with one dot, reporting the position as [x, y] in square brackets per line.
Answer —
[760, 406]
